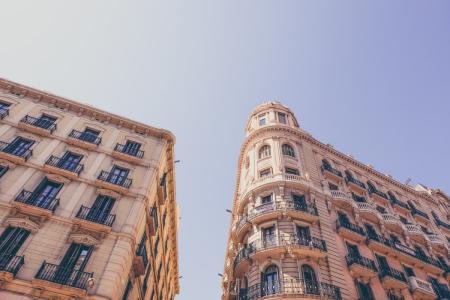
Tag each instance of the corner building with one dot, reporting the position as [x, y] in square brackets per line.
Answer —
[87, 202]
[309, 222]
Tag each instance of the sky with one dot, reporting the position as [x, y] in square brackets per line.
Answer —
[372, 78]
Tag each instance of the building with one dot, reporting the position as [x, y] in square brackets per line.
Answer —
[87, 202]
[310, 222]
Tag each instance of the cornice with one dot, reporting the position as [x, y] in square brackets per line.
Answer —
[84, 110]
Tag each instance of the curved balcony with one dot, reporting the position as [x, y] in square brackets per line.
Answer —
[378, 196]
[392, 278]
[368, 211]
[273, 210]
[438, 243]
[393, 223]
[291, 289]
[330, 173]
[361, 266]
[351, 231]
[421, 289]
[342, 200]
[355, 185]
[416, 233]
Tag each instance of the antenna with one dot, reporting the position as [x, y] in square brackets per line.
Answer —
[408, 181]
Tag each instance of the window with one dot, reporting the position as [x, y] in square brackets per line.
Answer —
[69, 161]
[409, 271]
[11, 240]
[292, 171]
[4, 105]
[282, 118]
[269, 236]
[4, 109]
[381, 210]
[265, 173]
[392, 196]
[288, 150]
[147, 274]
[353, 250]
[264, 152]
[3, 170]
[131, 148]
[45, 121]
[266, 199]
[75, 259]
[299, 202]
[270, 281]
[309, 277]
[262, 119]
[371, 187]
[118, 175]
[89, 135]
[348, 175]
[19, 146]
[364, 291]
[155, 248]
[370, 230]
[163, 184]
[333, 187]
[127, 290]
[326, 164]
[394, 238]
[154, 215]
[44, 195]
[303, 235]
[403, 220]
[101, 209]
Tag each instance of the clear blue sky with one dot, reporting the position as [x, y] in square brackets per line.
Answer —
[373, 79]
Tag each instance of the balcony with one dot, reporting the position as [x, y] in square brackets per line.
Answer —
[442, 291]
[39, 126]
[124, 152]
[312, 247]
[4, 112]
[438, 243]
[419, 215]
[93, 220]
[14, 154]
[63, 167]
[416, 233]
[393, 223]
[113, 182]
[342, 200]
[368, 211]
[330, 173]
[61, 279]
[351, 231]
[140, 260]
[36, 204]
[392, 278]
[400, 205]
[355, 185]
[421, 289]
[443, 225]
[84, 139]
[361, 266]
[378, 196]
[9, 266]
[291, 289]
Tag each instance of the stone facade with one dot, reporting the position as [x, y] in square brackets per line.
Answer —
[87, 202]
[310, 222]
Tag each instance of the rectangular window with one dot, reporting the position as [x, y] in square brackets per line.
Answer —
[44, 195]
[304, 235]
[381, 209]
[147, 274]
[131, 148]
[19, 146]
[89, 135]
[118, 175]
[76, 258]
[3, 170]
[159, 271]
[69, 161]
[353, 250]
[333, 187]
[11, 240]
[409, 271]
[163, 184]
[292, 171]
[365, 291]
[269, 236]
[101, 209]
[127, 290]
[262, 119]
[155, 249]
[282, 118]
[403, 220]
[154, 215]
[45, 121]
[266, 199]
[265, 173]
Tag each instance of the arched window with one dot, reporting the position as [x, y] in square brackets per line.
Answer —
[372, 188]
[310, 280]
[326, 165]
[264, 151]
[270, 281]
[288, 150]
[348, 174]
[392, 196]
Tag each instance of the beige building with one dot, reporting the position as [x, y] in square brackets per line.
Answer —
[87, 202]
[310, 222]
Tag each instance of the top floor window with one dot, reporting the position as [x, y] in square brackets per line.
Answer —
[288, 150]
[264, 151]
[131, 148]
[90, 135]
[266, 199]
[45, 121]
[19, 146]
[262, 119]
[4, 109]
[265, 173]
[282, 118]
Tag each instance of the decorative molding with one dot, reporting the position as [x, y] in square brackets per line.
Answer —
[22, 222]
[83, 238]
[58, 178]
[108, 193]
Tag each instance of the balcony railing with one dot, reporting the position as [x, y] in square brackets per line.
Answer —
[114, 179]
[86, 137]
[362, 261]
[39, 122]
[331, 170]
[358, 198]
[60, 163]
[11, 263]
[350, 226]
[442, 291]
[4, 112]
[415, 211]
[64, 276]
[291, 287]
[129, 151]
[393, 273]
[399, 203]
[38, 200]
[355, 181]
[377, 192]
[88, 214]
[9, 148]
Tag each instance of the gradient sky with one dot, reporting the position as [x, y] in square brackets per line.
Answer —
[372, 79]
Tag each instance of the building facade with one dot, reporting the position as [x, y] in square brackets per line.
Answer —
[87, 202]
[310, 222]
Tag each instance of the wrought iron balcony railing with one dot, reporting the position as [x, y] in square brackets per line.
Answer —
[362, 261]
[115, 179]
[9, 148]
[306, 288]
[86, 137]
[65, 276]
[92, 215]
[4, 112]
[60, 163]
[390, 272]
[351, 226]
[331, 170]
[11, 263]
[39, 122]
[38, 200]
[355, 181]
[130, 151]
[357, 198]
